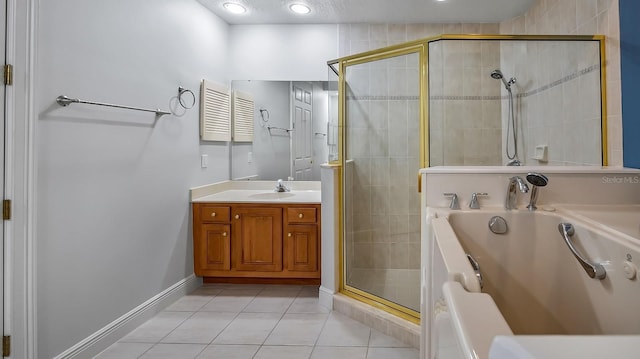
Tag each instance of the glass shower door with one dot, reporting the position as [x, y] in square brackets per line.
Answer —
[382, 147]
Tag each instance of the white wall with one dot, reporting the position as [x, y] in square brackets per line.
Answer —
[113, 219]
[282, 52]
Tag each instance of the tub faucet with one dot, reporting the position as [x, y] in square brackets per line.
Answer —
[280, 187]
[515, 181]
[474, 204]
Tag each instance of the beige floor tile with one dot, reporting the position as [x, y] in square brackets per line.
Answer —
[124, 351]
[201, 328]
[230, 321]
[248, 328]
[229, 352]
[174, 351]
[283, 352]
[307, 305]
[190, 303]
[297, 329]
[231, 300]
[271, 301]
[157, 328]
[339, 353]
[396, 353]
[343, 331]
[380, 340]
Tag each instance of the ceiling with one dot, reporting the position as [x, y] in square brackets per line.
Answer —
[372, 11]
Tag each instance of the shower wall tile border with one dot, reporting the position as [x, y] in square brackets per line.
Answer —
[551, 85]
[383, 98]
[561, 81]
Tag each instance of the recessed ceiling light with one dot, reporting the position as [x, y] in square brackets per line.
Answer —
[234, 8]
[300, 8]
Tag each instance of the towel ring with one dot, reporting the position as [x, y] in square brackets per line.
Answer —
[182, 91]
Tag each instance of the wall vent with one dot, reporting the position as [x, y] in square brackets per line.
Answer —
[243, 109]
[215, 112]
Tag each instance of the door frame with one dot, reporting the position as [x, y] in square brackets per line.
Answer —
[20, 176]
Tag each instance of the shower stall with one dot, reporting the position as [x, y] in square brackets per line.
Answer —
[449, 100]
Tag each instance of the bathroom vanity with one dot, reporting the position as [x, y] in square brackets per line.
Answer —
[246, 232]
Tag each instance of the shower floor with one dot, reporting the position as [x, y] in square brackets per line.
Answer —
[401, 286]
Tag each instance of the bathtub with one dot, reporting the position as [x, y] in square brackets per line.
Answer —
[532, 285]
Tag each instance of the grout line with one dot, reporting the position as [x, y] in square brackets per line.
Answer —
[369, 342]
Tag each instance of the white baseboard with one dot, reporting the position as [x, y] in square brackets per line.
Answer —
[325, 297]
[112, 332]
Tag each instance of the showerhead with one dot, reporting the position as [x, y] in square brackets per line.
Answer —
[497, 74]
[537, 179]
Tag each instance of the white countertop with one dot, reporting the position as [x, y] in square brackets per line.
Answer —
[257, 192]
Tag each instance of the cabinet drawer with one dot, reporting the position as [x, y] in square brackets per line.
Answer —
[301, 215]
[215, 214]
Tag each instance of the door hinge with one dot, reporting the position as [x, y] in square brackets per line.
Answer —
[8, 74]
[6, 209]
[6, 345]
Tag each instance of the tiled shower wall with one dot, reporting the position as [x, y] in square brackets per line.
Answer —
[561, 17]
[557, 100]
[383, 142]
[464, 103]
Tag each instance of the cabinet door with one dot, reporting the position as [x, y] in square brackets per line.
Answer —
[302, 248]
[213, 248]
[257, 239]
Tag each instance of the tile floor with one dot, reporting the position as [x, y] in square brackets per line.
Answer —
[228, 321]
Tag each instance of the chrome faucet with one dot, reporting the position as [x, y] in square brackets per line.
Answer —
[280, 187]
[515, 181]
[474, 204]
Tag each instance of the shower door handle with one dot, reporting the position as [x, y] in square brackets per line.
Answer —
[594, 270]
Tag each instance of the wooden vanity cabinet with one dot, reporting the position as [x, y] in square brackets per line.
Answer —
[243, 240]
[302, 246]
[257, 239]
[212, 247]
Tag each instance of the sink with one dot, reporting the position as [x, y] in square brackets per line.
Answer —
[272, 195]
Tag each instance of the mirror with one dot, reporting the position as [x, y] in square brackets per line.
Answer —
[290, 131]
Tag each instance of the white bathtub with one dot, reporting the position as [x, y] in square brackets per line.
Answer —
[533, 285]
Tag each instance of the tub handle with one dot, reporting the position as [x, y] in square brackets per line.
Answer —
[476, 268]
[594, 270]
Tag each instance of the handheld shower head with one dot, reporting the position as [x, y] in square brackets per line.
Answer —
[497, 74]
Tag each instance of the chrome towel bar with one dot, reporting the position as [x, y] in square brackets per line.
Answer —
[63, 100]
[279, 128]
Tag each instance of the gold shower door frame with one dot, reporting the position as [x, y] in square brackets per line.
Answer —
[422, 48]
[416, 47]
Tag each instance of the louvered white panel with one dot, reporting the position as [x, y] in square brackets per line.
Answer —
[243, 109]
[215, 112]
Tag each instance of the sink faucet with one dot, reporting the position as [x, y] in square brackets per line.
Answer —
[280, 187]
[514, 181]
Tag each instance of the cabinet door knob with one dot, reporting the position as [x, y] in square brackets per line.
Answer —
[289, 235]
[213, 214]
[300, 215]
[224, 234]
[237, 216]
